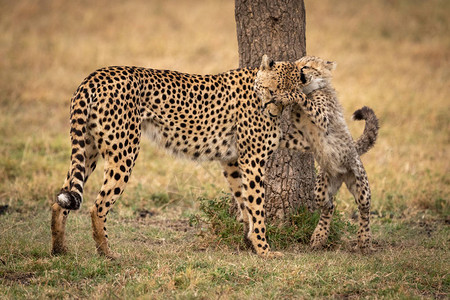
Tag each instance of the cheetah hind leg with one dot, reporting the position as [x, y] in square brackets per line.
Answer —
[116, 176]
[361, 192]
[324, 193]
[58, 226]
[59, 214]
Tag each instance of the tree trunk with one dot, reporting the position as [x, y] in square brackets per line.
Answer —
[277, 28]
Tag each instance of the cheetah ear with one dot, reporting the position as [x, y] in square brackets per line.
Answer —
[331, 65]
[266, 63]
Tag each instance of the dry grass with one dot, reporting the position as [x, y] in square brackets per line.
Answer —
[392, 55]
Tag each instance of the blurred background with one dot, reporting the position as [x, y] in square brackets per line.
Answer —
[392, 55]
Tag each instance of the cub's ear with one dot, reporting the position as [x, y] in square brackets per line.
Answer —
[266, 63]
[330, 65]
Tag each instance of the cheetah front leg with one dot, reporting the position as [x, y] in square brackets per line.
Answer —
[316, 111]
[295, 141]
[233, 175]
[313, 107]
[253, 194]
[285, 98]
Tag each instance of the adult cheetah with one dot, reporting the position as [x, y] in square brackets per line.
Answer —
[204, 117]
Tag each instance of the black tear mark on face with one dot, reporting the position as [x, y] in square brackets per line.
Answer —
[302, 77]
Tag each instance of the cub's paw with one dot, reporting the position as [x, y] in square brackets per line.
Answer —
[318, 241]
[365, 247]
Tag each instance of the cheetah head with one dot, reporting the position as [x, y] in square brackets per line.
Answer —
[306, 74]
[277, 77]
[315, 72]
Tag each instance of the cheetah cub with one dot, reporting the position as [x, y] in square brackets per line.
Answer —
[319, 119]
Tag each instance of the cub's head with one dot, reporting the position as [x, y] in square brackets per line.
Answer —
[316, 72]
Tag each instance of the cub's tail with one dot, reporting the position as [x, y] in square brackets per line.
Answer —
[369, 136]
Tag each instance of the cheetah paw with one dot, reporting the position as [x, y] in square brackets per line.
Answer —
[272, 254]
[59, 250]
[110, 255]
[366, 249]
[318, 242]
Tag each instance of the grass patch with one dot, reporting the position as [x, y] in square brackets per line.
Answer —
[222, 224]
[163, 261]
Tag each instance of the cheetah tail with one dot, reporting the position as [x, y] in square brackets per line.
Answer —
[72, 197]
[369, 136]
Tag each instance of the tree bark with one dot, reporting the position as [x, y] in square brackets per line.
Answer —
[277, 28]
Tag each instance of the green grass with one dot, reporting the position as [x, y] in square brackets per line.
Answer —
[223, 227]
[392, 56]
